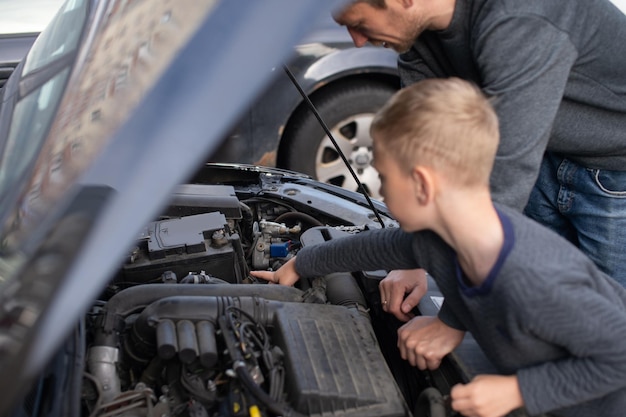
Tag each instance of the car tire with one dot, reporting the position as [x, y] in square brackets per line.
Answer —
[347, 111]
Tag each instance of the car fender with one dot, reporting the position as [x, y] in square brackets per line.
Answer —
[346, 62]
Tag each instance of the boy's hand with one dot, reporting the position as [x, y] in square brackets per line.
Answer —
[285, 275]
[487, 396]
[396, 285]
[425, 340]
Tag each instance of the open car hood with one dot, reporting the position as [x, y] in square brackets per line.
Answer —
[85, 191]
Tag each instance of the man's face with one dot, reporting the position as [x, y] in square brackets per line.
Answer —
[393, 27]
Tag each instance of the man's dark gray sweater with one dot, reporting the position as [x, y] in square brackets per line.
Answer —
[545, 313]
[557, 70]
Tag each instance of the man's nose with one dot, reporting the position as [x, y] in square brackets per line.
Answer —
[357, 37]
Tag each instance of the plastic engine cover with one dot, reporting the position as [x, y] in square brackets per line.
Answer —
[333, 363]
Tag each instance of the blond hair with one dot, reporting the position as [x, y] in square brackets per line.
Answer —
[447, 124]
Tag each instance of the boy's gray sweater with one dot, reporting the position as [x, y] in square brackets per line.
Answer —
[545, 312]
[556, 69]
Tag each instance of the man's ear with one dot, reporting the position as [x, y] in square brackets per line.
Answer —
[422, 184]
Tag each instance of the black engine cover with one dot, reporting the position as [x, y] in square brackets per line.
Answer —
[334, 366]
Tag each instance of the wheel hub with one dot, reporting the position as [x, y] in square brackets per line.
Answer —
[361, 157]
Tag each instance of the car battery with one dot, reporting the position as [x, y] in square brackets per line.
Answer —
[186, 245]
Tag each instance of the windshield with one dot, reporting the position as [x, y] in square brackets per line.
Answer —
[41, 87]
[60, 38]
[30, 121]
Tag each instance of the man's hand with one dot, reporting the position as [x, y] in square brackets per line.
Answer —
[285, 275]
[487, 396]
[411, 283]
[425, 340]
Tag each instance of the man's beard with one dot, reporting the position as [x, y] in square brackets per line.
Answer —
[400, 48]
[406, 45]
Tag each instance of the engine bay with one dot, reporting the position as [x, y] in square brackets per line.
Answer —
[184, 330]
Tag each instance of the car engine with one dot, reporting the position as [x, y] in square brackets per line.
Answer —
[184, 330]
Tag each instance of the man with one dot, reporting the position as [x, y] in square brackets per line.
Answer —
[555, 69]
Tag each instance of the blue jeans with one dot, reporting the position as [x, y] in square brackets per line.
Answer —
[586, 206]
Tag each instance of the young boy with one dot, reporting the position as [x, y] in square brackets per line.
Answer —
[548, 319]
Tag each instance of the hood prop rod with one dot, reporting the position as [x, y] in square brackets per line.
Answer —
[332, 139]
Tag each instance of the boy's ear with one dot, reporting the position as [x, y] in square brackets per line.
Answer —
[422, 184]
